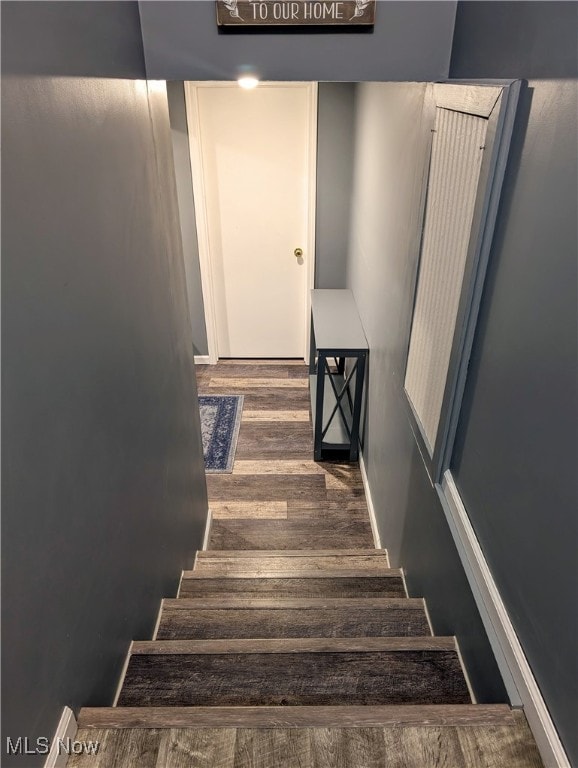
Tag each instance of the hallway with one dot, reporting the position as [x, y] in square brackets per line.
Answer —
[291, 606]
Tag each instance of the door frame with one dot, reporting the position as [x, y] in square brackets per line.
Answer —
[192, 89]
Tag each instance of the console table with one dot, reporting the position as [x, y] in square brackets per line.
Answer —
[336, 390]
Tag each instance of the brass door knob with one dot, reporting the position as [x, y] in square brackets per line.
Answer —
[298, 252]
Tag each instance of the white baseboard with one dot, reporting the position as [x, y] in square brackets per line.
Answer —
[181, 582]
[122, 675]
[202, 360]
[207, 529]
[518, 677]
[66, 729]
[370, 507]
[158, 619]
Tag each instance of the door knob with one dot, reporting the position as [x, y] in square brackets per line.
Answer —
[298, 252]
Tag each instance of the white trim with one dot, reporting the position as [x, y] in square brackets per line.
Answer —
[369, 499]
[475, 98]
[66, 729]
[428, 617]
[181, 578]
[194, 131]
[465, 672]
[122, 675]
[207, 530]
[404, 582]
[199, 195]
[202, 360]
[158, 620]
[518, 677]
[313, 111]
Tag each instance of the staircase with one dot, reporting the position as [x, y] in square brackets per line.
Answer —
[285, 650]
[299, 658]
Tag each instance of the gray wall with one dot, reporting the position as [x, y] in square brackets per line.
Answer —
[101, 40]
[411, 41]
[516, 457]
[103, 491]
[335, 124]
[180, 137]
[524, 39]
[390, 158]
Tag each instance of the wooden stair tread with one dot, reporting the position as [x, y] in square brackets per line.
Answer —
[287, 603]
[334, 573]
[463, 741]
[210, 554]
[294, 645]
[428, 715]
[292, 564]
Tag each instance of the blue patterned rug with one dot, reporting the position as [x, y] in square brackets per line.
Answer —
[220, 423]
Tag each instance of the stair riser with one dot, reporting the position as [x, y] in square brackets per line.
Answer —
[212, 554]
[261, 679]
[218, 566]
[209, 624]
[295, 587]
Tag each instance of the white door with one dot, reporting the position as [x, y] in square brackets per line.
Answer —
[256, 151]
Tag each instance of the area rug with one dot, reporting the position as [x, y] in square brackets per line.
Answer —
[220, 423]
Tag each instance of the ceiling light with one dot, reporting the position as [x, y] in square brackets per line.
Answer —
[248, 82]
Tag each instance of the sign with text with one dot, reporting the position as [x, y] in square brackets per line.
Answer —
[282, 13]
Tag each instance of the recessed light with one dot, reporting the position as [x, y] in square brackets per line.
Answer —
[248, 82]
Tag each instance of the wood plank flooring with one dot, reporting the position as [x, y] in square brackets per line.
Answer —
[332, 531]
[292, 642]
[499, 745]
[298, 503]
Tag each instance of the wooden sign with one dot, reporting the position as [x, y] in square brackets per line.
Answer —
[281, 13]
